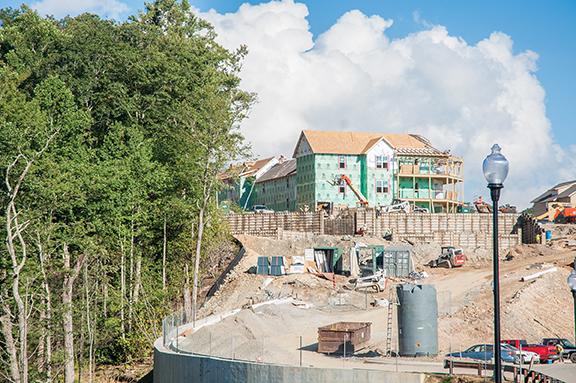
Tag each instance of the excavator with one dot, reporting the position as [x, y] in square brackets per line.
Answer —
[361, 199]
[558, 213]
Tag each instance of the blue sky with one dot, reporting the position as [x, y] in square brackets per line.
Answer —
[545, 27]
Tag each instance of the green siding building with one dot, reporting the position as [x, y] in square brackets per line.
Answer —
[383, 168]
[324, 157]
[277, 187]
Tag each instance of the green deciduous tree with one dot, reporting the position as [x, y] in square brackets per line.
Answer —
[111, 139]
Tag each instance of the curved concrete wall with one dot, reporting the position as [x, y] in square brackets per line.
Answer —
[172, 367]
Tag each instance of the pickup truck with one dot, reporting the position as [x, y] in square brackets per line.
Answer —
[547, 353]
[569, 349]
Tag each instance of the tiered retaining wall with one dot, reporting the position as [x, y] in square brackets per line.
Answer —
[461, 230]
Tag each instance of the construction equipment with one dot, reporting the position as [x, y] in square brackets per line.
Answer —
[481, 206]
[565, 215]
[361, 199]
[450, 256]
[396, 207]
[376, 281]
[559, 213]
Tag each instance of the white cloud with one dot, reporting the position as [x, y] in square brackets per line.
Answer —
[61, 8]
[353, 77]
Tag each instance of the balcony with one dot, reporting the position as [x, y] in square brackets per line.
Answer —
[434, 168]
[425, 194]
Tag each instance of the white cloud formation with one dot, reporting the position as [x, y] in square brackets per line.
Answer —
[61, 8]
[353, 77]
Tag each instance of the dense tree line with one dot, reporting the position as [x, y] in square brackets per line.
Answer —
[111, 138]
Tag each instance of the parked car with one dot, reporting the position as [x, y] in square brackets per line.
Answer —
[261, 209]
[527, 356]
[546, 353]
[485, 352]
[569, 348]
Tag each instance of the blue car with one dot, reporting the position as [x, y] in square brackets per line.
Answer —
[485, 352]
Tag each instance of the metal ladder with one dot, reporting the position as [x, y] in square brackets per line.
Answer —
[389, 323]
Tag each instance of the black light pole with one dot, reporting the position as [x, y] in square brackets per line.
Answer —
[495, 195]
[495, 168]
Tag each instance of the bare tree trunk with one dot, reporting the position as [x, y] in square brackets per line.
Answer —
[14, 230]
[122, 289]
[131, 276]
[10, 344]
[164, 245]
[187, 294]
[89, 328]
[137, 278]
[46, 341]
[67, 319]
[197, 261]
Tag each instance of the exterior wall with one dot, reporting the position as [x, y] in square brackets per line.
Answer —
[305, 179]
[326, 168]
[278, 194]
[373, 174]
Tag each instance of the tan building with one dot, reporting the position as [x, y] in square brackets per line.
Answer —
[562, 194]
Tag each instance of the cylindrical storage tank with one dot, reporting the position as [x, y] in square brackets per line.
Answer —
[417, 320]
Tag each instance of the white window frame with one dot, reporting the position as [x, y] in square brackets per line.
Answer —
[342, 160]
[382, 185]
[342, 187]
[382, 162]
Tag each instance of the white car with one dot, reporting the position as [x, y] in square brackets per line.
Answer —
[527, 356]
[261, 209]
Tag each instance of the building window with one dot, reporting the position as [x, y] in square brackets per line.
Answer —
[381, 162]
[342, 162]
[342, 187]
[381, 186]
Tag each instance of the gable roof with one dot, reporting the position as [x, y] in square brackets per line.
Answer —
[568, 192]
[280, 170]
[338, 142]
[552, 194]
[245, 169]
[412, 144]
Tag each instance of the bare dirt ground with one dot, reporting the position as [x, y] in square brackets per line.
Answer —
[530, 310]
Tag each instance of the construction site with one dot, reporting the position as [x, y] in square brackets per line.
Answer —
[338, 296]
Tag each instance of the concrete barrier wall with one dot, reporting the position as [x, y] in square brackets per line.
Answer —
[172, 367]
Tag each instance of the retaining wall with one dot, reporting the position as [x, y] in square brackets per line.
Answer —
[173, 367]
[462, 230]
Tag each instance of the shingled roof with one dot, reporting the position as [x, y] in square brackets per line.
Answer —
[280, 170]
[338, 142]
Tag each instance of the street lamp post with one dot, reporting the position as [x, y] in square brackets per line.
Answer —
[495, 168]
[572, 285]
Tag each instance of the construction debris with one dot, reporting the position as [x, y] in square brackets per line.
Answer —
[539, 274]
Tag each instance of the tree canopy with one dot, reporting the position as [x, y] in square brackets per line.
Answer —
[112, 135]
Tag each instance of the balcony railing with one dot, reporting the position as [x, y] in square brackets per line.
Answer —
[425, 169]
[428, 194]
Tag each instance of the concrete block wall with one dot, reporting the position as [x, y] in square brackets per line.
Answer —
[462, 230]
[268, 224]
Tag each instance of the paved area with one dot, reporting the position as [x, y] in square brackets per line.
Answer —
[563, 371]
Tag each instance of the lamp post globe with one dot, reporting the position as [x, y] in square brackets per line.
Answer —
[495, 169]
